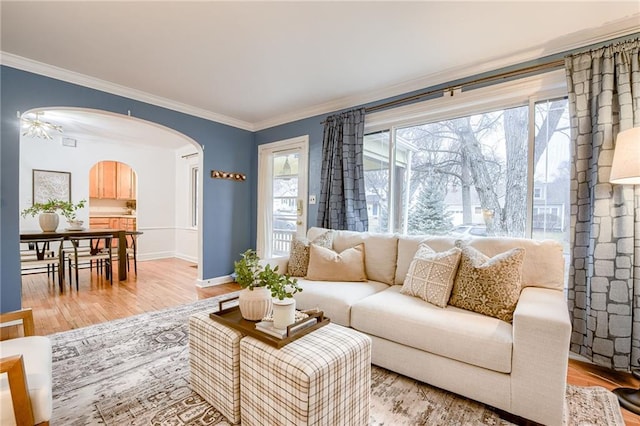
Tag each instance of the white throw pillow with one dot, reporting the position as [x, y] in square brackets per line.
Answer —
[431, 275]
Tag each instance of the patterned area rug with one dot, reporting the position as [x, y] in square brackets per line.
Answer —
[135, 371]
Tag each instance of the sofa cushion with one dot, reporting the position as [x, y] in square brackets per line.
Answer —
[431, 275]
[381, 251]
[36, 352]
[489, 286]
[327, 265]
[450, 332]
[543, 264]
[335, 298]
[299, 253]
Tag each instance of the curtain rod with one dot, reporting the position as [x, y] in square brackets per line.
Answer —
[547, 66]
[534, 68]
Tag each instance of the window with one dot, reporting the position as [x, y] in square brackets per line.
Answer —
[538, 193]
[476, 168]
[194, 197]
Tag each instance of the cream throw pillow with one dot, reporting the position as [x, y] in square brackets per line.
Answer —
[489, 286]
[327, 265]
[431, 275]
[299, 254]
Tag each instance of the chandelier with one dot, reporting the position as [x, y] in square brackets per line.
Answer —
[36, 128]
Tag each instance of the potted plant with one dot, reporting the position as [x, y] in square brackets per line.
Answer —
[48, 213]
[255, 298]
[282, 288]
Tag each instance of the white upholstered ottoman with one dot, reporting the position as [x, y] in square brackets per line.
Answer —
[323, 378]
[214, 360]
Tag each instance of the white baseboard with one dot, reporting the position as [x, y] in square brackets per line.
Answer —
[187, 258]
[210, 282]
[156, 255]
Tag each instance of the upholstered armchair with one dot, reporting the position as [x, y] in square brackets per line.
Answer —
[25, 389]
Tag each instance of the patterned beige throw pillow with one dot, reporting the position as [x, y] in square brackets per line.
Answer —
[431, 275]
[299, 254]
[327, 265]
[489, 286]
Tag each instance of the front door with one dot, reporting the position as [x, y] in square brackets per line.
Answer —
[282, 194]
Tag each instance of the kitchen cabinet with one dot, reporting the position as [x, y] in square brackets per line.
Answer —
[112, 180]
[104, 222]
[125, 182]
[107, 222]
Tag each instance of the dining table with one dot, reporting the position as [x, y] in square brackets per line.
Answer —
[120, 234]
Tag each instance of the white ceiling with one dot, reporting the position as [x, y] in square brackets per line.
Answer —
[258, 64]
[91, 125]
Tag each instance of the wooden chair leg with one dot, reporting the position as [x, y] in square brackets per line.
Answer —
[14, 367]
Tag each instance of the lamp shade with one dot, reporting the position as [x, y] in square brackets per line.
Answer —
[625, 169]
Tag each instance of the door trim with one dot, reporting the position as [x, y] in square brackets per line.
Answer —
[264, 192]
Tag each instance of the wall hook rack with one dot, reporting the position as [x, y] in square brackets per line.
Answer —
[219, 174]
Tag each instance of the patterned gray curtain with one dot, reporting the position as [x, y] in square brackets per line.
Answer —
[343, 204]
[604, 278]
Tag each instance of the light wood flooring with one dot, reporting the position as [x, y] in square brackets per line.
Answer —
[171, 282]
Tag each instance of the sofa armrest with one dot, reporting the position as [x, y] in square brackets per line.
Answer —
[281, 262]
[541, 334]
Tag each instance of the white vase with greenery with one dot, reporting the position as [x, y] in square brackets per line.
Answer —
[282, 287]
[255, 299]
[48, 213]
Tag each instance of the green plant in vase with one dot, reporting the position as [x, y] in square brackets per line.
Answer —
[281, 286]
[255, 299]
[65, 208]
[48, 213]
[248, 270]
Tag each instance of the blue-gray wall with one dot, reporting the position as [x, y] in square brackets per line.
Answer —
[228, 206]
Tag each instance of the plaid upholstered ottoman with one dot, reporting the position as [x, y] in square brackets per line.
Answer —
[323, 378]
[214, 360]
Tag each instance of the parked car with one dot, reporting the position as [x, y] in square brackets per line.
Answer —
[469, 230]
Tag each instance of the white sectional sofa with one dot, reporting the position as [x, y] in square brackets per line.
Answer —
[518, 367]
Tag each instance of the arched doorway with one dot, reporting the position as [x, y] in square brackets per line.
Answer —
[91, 136]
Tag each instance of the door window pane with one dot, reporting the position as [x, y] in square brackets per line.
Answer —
[285, 197]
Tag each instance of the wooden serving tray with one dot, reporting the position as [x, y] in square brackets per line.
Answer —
[232, 317]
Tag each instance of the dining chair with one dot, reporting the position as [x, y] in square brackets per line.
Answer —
[43, 253]
[26, 396]
[131, 238]
[86, 250]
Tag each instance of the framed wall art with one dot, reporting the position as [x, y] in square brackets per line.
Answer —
[51, 185]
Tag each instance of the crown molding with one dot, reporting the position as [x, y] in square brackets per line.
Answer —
[29, 65]
[610, 31]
